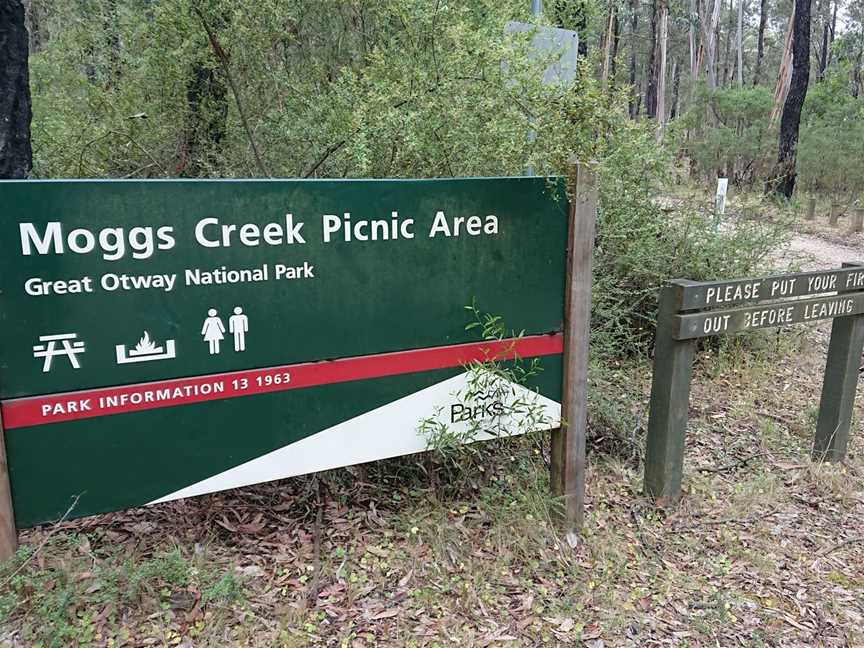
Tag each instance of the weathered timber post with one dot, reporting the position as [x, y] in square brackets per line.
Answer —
[857, 224]
[834, 214]
[567, 471]
[8, 532]
[670, 400]
[811, 208]
[839, 386]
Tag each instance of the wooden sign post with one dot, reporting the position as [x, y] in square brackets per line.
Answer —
[683, 319]
[8, 533]
[568, 442]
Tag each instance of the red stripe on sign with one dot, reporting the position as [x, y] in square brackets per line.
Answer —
[70, 406]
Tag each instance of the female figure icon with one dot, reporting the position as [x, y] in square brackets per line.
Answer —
[213, 331]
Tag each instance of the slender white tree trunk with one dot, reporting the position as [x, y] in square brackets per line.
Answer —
[662, 37]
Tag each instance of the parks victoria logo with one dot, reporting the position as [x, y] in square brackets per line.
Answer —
[476, 407]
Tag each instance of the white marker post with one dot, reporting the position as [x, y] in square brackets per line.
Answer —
[720, 198]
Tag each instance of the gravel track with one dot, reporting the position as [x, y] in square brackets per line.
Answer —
[814, 253]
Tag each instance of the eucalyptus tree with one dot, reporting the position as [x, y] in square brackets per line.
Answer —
[782, 181]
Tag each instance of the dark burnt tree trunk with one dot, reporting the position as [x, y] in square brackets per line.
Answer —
[616, 43]
[760, 41]
[783, 181]
[16, 154]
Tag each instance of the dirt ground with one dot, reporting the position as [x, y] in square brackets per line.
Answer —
[814, 252]
[765, 549]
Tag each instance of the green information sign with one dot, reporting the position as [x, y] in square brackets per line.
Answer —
[164, 339]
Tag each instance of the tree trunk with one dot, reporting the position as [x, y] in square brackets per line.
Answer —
[691, 39]
[833, 32]
[651, 82]
[33, 12]
[16, 153]
[727, 62]
[616, 43]
[710, 38]
[676, 87]
[634, 26]
[784, 75]
[856, 73]
[823, 52]
[783, 182]
[739, 43]
[662, 31]
[760, 41]
[608, 44]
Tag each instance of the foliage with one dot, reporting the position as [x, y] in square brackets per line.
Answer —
[642, 244]
[68, 606]
[491, 405]
[832, 138]
[727, 133]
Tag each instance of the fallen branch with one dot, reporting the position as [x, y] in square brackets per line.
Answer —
[839, 545]
[739, 463]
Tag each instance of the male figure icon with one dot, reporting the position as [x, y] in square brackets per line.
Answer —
[238, 325]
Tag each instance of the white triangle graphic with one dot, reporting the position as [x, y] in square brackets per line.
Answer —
[388, 431]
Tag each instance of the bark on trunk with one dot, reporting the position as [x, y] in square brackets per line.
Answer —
[634, 26]
[662, 31]
[691, 39]
[710, 38]
[760, 41]
[676, 88]
[16, 154]
[783, 182]
[856, 73]
[608, 45]
[784, 75]
[823, 52]
[727, 63]
[651, 83]
[739, 43]
[33, 12]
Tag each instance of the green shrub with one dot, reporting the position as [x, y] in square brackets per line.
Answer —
[832, 138]
[727, 133]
